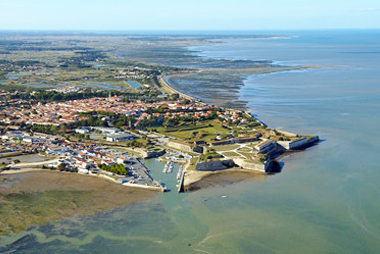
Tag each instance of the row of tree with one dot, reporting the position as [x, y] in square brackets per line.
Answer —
[49, 96]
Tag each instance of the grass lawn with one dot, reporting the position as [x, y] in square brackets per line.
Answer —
[193, 164]
[203, 131]
[231, 154]
[248, 155]
[225, 148]
[253, 144]
[210, 156]
[245, 149]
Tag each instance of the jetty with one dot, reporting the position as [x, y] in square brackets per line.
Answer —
[179, 174]
[180, 181]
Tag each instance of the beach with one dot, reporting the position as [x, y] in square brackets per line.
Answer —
[195, 180]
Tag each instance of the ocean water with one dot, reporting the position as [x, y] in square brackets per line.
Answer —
[326, 200]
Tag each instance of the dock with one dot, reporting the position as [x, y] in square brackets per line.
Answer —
[180, 182]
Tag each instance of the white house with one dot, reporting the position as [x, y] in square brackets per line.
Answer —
[82, 130]
[29, 140]
[121, 160]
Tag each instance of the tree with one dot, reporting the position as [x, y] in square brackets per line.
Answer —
[175, 96]
[61, 167]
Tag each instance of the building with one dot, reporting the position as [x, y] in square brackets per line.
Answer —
[29, 140]
[106, 130]
[119, 137]
[151, 153]
[83, 130]
[299, 143]
[265, 146]
[180, 146]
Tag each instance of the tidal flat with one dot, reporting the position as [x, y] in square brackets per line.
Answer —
[196, 180]
[214, 80]
[68, 58]
[39, 197]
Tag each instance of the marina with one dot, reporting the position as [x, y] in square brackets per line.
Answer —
[168, 168]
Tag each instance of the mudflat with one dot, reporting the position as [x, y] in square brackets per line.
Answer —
[195, 180]
[35, 198]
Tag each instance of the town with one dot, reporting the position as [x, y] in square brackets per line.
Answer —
[97, 114]
[108, 136]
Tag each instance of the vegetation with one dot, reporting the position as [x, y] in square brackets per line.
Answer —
[137, 143]
[19, 213]
[225, 148]
[210, 156]
[231, 154]
[118, 169]
[193, 163]
[201, 130]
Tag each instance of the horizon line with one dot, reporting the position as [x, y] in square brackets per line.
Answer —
[184, 30]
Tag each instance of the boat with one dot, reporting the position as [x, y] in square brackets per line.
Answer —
[168, 168]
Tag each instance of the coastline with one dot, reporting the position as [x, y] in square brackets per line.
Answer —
[165, 83]
[194, 180]
[224, 92]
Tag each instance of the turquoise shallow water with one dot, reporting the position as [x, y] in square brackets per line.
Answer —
[326, 200]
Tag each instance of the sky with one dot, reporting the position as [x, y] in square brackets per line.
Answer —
[128, 15]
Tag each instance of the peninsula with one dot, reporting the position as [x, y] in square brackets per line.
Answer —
[86, 111]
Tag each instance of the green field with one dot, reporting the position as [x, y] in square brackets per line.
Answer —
[193, 163]
[225, 148]
[206, 130]
[245, 149]
[248, 155]
[231, 154]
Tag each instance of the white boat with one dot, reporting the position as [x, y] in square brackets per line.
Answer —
[168, 168]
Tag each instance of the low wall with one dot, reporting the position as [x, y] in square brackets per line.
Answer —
[150, 154]
[214, 165]
[299, 144]
[247, 164]
[179, 146]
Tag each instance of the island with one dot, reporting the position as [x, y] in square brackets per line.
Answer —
[77, 126]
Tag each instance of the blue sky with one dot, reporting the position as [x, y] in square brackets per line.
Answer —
[187, 15]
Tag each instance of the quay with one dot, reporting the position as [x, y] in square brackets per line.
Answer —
[180, 183]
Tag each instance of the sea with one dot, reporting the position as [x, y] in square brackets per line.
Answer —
[325, 200]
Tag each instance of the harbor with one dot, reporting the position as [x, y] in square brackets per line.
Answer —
[168, 168]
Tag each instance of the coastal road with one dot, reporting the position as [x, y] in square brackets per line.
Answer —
[171, 90]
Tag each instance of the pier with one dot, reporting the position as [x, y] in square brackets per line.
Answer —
[180, 182]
